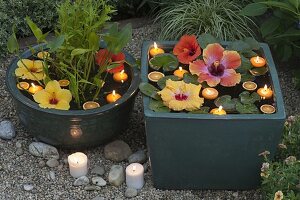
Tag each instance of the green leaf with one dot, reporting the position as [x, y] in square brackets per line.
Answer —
[189, 78]
[98, 82]
[295, 3]
[158, 106]
[269, 26]
[94, 43]
[247, 98]
[162, 82]
[246, 108]
[249, 54]
[167, 61]
[247, 77]
[281, 5]
[79, 51]
[56, 43]
[239, 45]
[227, 102]
[202, 110]
[36, 30]
[246, 65]
[204, 39]
[259, 71]
[254, 9]
[149, 90]
[12, 42]
[253, 44]
[288, 51]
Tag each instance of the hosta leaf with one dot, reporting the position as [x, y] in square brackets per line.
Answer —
[158, 106]
[258, 71]
[167, 61]
[149, 90]
[189, 78]
[254, 9]
[247, 98]
[246, 108]
[226, 102]
[202, 110]
[162, 82]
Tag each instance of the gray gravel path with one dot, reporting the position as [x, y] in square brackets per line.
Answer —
[18, 170]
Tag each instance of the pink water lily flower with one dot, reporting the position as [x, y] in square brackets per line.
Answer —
[217, 67]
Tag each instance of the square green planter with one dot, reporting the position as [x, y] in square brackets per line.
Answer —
[204, 151]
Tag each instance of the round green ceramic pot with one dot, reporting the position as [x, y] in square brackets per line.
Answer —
[74, 128]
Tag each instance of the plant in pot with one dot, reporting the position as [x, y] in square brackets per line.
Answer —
[210, 108]
[78, 88]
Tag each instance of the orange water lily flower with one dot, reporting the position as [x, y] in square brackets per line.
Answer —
[178, 96]
[218, 66]
[104, 57]
[53, 97]
[30, 69]
[278, 195]
[187, 49]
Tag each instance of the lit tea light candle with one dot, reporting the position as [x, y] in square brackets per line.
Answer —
[218, 111]
[180, 72]
[265, 92]
[135, 176]
[64, 83]
[155, 76]
[267, 109]
[35, 88]
[249, 85]
[210, 93]
[258, 61]
[23, 86]
[78, 164]
[113, 97]
[90, 105]
[156, 50]
[120, 77]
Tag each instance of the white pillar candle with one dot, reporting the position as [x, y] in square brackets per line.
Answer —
[135, 176]
[78, 164]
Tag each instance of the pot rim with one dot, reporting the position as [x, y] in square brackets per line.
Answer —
[17, 95]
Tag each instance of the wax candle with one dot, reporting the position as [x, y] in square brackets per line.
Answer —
[78, 164]
[265, 92]
[156, 50]
[258, 61]
[120, 77]
[267, 109]
[249, 85]
[90, 105]
[155, 76]
[218, 111]
[64, 83]
[112, 97]
[23, 86]
[210, 93]
[35, 88]
[135, 176]
[180, 72]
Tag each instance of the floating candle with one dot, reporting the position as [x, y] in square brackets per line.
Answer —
[267, 109]
[265, 92]
[120, 77]
[23, 86]
[249, 85]
[218, 111]
[90, 105]
[64, 83]
[35, 88]
[113, 97]
[210, 93]
[180, 72]
[135, 176]
[258, 61]
[156, 50]
[78, 164]
[155, 76]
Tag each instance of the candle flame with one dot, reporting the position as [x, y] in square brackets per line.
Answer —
[180, 68]
[209, 91]
[220, 108]
[114, 92]
[122, 72]
[155, 45]
[265, 87]
[133, 168]
[32, 84]
[257, 59]
[122, 81]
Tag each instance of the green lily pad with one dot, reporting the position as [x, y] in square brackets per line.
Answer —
[167, 61]
[246, 65]
[189, 78]
[249, 54]
[149, 90]
[227, 103]
[247, 98]
[162, 82]
[258, 71]
[246, 108]
[158, 106]
[202, 110]
[247, 77]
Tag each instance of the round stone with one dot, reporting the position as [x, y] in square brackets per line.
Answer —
[7, 130]
[52, 163]
[99, 170]
[137, 157]
[43, 150]
[117, 151]
[19, 151]
[131, 192]
[98, 181]
[116, 175]
[83, 180]
[28, 187]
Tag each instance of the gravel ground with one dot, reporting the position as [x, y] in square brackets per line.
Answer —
[18, 170]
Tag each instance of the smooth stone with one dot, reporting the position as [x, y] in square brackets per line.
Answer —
[83, 180]
[98, 181]
[98, 198]
[43, 150]
[117, 151]
[92, 187]
[137, 157]
[131, 192]
[41, 163]
[60, 167]
[7, 130]
[18, 144]
[51, 175]
[27, 187]
[52, 163]
[99, 170]
[116, 175]
[19, 151]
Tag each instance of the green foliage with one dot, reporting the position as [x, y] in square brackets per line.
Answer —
[227, 103]
[149, 90]
[162, 82]
[158, 106]
[167, 61]
[218, 17]
[189, 78]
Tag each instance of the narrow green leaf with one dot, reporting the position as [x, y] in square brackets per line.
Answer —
[254, 9]
[149, 90]
[36, 30]
[94, 43]
[79, 51]
[12, 43]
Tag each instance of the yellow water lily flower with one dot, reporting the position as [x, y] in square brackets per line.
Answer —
[278, 195]
[53, 97]
[178, 96]
[30, 69]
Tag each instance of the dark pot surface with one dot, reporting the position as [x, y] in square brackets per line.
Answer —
[73, 128]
